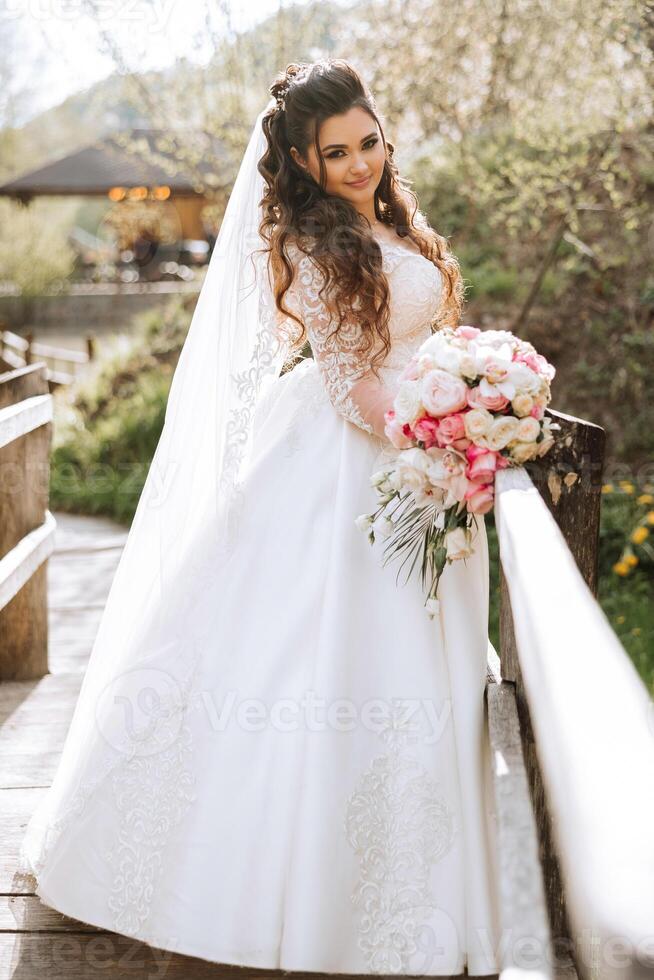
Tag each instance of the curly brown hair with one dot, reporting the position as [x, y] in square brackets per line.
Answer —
[296, 208]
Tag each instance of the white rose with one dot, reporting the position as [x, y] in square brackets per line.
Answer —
[457, 543]
[528, 429]
[408, 402]
[467, 366]
[523, 451]
[502, 430]
[363, 521]
[477, 422]
[522, 404]
[411, 478]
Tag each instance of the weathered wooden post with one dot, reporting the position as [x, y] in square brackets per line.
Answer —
[26, 525]
[569, 479]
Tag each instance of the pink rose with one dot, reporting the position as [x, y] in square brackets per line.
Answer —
[538, 364]
[395, 431]
[467, 332]
[537, 412]
[482, 468]
[488, 397]
[442, 393]
[425, 429]
[479, 498]
[450, 428]
[461, 444]
[473, 451]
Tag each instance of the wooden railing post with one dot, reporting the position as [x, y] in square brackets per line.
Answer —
[26, 525]
[569, 480]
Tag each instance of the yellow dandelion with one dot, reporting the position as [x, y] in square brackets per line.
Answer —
[607, 488]
[619, 620]
[636, 631]
[649, 516]
[630, 559]
[626, 486]
[620, 568]
[639, 534]
[645, 498]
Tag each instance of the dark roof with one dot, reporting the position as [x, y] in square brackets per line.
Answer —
[157, 158]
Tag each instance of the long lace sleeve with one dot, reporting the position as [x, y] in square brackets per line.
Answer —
[351, 386]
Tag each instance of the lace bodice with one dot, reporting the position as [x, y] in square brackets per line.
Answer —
[415, 291]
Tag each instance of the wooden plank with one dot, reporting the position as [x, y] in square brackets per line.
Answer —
[17, 567]
[521, 890]
[35, 721]
[27, 913]
[16, 807]
[22, 382]
[109, 956]
[14, 340]
[59, 353]
[19, 419]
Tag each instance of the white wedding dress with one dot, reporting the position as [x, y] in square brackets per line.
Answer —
[315, 794]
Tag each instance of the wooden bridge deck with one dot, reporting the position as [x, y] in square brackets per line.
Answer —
[34, 719]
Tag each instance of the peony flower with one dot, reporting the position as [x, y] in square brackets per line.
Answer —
[408, 402]
[523, 451]
[522, 404]
[442, 393]
[502, 430]
[528, 429]
[477, 422]
[451, 427]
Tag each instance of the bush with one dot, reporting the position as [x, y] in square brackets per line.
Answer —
[107, 428]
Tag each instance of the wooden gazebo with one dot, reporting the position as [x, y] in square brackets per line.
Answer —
[138, 164]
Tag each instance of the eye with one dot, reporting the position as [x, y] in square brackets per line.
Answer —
[368, 145]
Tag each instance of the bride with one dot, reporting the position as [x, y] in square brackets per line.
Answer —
[278, 758]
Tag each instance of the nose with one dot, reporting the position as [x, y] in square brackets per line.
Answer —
[359, 169]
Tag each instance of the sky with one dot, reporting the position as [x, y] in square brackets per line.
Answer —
[55, 46]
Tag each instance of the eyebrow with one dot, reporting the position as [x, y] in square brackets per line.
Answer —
[343, 146]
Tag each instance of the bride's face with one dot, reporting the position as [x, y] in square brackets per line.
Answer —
[353, 151]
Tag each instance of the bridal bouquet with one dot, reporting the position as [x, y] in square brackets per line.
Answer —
[469, 403]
